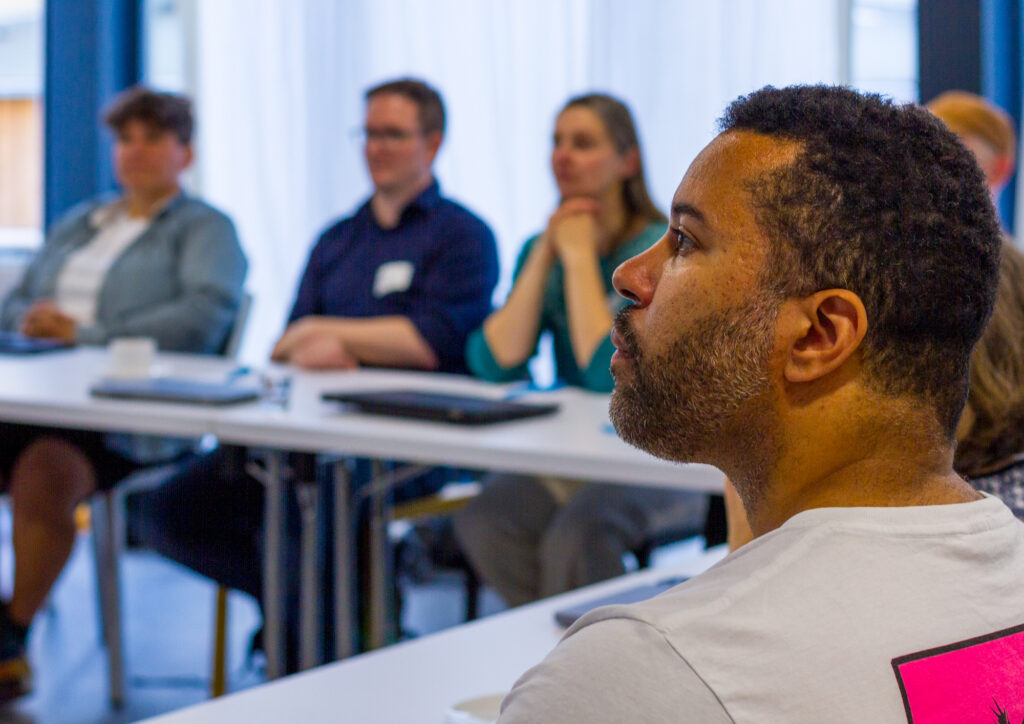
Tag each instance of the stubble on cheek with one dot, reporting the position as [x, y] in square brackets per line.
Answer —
[675, 403]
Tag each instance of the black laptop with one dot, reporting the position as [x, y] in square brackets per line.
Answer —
[167, 389]
[15, 343]
[457, 409]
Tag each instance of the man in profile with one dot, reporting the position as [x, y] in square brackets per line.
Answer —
[401, 283]
[805, 325]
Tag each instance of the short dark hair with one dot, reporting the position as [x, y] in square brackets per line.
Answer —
[427, 100]
[166, 111]
[885, 201]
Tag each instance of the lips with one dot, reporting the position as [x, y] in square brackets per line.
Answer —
[621, 338]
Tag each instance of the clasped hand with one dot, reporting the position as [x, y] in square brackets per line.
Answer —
[314, 343]
[44, 319]
[573, 229]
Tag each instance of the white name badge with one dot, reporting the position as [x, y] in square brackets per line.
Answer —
[395, 276]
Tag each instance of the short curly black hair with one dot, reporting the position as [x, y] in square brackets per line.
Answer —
[885, 201]
[166, 111]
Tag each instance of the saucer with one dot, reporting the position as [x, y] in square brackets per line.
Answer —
[479, 710]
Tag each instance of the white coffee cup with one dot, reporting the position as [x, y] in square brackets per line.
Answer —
[130, 357]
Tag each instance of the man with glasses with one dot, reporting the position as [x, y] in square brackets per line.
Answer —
[400, 283]
[404, 280]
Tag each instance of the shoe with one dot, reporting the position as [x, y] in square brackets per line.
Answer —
[15, 677]
[15, 672]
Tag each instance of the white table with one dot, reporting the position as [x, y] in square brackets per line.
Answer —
[417, 681]
[576, 442]
[53, 389]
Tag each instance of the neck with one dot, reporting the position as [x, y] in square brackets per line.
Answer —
[885, 454]
[144, 204]
[388, 204]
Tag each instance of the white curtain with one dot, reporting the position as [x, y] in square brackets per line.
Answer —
[279, 88]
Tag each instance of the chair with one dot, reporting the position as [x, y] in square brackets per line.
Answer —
[714, 532]
[234, 339]
[108, 536]
[447, 501]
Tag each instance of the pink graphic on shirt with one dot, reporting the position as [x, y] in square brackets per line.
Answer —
[980, 680]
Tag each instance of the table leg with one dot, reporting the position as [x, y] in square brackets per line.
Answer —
[308, 494]
[382, 577]
[273, 568]
[344, 601]
[380, 561]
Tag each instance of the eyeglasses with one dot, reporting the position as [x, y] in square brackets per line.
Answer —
[384, 136]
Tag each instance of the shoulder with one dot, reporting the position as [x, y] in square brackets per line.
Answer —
[335, 237]
[459, 218]
[528, 246]
[615, 669]
[343, 227]
[192, 207]
[81, 211]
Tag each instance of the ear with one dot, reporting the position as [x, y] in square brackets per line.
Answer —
[188, 156]
[824, 329]
[1000, 171]
[433, 140]
[631, 163]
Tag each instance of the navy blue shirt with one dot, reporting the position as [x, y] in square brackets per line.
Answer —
[438, 267]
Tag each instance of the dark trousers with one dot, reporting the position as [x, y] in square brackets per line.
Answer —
[209, 517]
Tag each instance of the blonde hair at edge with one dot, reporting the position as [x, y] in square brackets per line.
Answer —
[991, 428]
[969, 115]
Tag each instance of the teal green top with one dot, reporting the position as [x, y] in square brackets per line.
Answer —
[555, 319]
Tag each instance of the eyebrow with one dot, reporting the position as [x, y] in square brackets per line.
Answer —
[685, 209]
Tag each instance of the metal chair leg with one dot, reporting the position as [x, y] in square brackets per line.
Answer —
[218, 682]
[106, 527]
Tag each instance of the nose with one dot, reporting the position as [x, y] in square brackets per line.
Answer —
[637, 278]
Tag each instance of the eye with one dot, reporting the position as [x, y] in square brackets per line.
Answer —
[681, 243]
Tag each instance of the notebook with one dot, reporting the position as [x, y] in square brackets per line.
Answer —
[457, 409]
[15, 343]
[168, 389]
[567, 616]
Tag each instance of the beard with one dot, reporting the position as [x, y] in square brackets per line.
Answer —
[686, 401]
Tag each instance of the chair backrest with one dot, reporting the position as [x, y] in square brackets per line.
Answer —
[13, 263]
[237, 333]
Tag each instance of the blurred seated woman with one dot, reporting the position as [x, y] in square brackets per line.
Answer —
[990, 437]
[152, 262]
[533, 537]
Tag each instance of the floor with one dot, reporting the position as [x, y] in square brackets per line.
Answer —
[168, 633]
[168, 618]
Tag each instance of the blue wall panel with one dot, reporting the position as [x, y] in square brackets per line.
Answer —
[92, 52]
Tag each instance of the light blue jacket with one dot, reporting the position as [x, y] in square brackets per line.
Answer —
[179, 282]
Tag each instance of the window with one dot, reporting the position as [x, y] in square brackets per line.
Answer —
[165, 66]
[883, 48]
[21, 123]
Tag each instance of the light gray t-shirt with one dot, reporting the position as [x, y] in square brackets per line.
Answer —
[830, 618]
